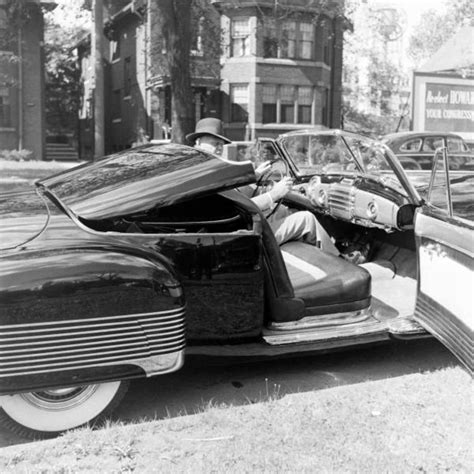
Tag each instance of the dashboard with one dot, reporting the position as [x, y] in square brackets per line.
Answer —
[361, 201]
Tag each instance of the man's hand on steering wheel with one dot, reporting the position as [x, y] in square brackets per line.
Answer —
[281, 188]
[278, 192]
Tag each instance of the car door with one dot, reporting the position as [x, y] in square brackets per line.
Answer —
[444, 230]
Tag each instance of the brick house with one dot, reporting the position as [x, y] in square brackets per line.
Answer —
[262, 73]
[22, 120]
[280, 71]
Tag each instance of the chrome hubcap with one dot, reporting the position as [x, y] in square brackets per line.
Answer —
[60, 399]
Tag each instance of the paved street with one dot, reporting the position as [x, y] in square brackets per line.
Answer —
[210, 380]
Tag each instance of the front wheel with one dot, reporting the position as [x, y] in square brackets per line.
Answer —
[47, 413]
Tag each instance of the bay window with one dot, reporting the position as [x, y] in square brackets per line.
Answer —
[240, 38]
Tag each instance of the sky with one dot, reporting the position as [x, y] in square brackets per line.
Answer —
[415, 8]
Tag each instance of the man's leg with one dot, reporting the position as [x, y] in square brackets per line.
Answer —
[301, 225]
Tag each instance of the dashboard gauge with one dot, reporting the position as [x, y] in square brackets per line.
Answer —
[372, 210]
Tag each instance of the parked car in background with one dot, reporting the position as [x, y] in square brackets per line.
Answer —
[415, 150]
[122, 267]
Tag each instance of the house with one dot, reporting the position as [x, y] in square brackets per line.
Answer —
[262, 70]
[22, 123]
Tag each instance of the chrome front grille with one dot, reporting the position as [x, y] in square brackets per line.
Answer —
[27, 349]
[340, 200]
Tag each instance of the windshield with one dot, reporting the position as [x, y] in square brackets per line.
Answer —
[316, 154]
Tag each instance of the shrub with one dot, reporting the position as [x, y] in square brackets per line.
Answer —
[16, 155]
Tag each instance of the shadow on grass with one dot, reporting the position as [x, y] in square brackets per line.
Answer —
[207, 381]
[210, 381]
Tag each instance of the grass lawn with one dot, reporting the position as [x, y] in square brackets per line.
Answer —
[19, 175]
[414, 423]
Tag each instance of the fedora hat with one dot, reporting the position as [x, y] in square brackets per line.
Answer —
[208, 126]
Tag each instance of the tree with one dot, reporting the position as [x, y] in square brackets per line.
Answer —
[373, 80]
[175, 17]
[64, 26]
[435, 28]
[14, 14]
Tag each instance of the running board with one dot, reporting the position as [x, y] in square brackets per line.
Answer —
[406, 328]
[330, 335]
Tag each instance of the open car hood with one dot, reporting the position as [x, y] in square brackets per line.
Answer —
[142, 178]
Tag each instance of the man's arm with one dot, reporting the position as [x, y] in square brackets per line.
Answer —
[265, 201]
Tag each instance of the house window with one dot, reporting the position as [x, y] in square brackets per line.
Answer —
[115, 48]
[270, 39]
[240, 38]
[116, 104]
[127, 76]
[327, 35]
[306, 41]
[288, 39]
[305, 101]
[5, 112]
[287, 104]
[239, 98]
[325, 108]
[269, 104]
[196, 39]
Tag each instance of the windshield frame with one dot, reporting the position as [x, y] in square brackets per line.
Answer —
[360, 170]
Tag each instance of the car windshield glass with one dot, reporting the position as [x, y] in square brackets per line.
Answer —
[335, 154]
[460, 191]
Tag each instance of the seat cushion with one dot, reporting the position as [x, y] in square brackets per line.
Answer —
[326, 283]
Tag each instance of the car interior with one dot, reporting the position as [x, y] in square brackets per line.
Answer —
[353, 266]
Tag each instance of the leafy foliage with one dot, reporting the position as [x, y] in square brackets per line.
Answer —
[63, 86]
[436, 27]
[15, 14]
[371, 75]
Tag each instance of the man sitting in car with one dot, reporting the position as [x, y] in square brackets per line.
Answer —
[286, 225]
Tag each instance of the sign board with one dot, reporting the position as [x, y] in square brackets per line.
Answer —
[443, 103]
[449, 107]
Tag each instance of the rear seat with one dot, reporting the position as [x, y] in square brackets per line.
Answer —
[326, 283]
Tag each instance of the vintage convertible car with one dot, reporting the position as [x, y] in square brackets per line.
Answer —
[116, 269]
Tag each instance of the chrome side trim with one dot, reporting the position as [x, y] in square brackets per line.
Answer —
[339, 335]
[162, 364]
[54, 346]
[327, 320]
[165, 314]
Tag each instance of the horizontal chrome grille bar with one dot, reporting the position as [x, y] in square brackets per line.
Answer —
[125, 330]
[14, 354]
[85, 364]
[168, 314]
[71, 342]
[160, 322]
[65, 345]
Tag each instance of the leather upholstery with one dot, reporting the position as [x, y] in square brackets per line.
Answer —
[326, 283]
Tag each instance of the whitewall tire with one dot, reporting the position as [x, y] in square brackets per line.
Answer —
[46, 413]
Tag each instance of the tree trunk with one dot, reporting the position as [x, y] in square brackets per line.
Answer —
[176, 27]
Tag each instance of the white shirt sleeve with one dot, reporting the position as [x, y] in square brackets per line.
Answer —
[263, 201]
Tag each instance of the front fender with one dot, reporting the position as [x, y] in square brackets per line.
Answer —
[78, 316]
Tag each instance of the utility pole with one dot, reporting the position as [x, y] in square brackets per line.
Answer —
[97, 41]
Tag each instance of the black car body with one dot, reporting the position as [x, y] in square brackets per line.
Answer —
[415, 150]
[115, 269]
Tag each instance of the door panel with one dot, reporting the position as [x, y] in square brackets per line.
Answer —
[446, 279]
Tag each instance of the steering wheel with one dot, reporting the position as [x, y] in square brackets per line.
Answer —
[277, 171]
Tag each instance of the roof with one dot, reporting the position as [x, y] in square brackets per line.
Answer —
[401, 135]
[455, 54]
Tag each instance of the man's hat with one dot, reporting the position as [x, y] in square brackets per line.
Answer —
[208, 126]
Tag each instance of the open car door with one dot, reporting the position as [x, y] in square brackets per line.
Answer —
[444, 229]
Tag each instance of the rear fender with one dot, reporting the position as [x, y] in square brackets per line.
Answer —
[80, 316]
